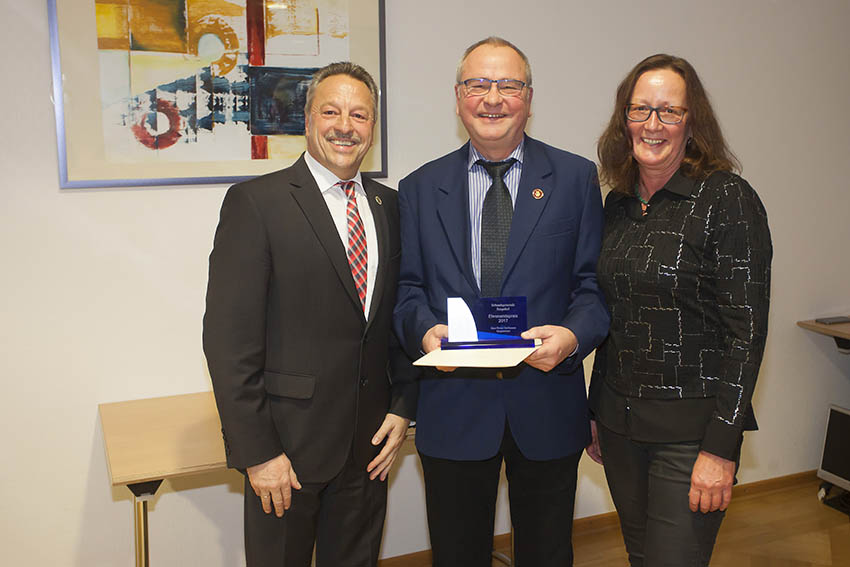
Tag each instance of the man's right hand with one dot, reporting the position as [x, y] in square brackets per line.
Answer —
[273, 482]
[431, 341]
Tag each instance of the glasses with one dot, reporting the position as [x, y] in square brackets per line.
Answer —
[666, 114]
[480, 87]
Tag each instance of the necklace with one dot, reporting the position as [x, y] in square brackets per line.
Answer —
[644, 204]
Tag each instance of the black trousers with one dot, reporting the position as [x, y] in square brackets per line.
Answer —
[649, 483]
[343, 517]
[460, 499]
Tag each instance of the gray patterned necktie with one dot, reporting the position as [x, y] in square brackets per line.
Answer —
[496, 215]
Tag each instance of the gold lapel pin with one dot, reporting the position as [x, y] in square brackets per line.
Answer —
[537, 193]
[378, 200]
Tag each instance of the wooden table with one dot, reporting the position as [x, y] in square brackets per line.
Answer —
[148, 441]
[840, 332]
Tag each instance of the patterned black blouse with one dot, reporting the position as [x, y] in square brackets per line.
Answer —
[688, 286]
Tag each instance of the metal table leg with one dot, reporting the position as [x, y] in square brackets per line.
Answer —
[501, 557]
[142, 492]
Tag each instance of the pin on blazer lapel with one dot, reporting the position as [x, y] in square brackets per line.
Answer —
[382, 230]
[536, 174]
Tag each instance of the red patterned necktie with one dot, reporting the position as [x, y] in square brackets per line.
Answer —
[356, 242]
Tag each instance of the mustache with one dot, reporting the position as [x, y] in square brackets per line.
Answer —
[347, 136]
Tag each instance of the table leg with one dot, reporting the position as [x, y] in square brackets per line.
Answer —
[501, 557]
[142, 492]
[141, 525]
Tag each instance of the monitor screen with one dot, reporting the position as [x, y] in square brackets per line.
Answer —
[835, 464]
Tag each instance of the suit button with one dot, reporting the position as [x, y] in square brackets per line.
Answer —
[499, 375]
[364, 382]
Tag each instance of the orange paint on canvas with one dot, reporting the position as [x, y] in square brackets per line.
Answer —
[218, 27]
[113, 31]
[198, 8]
[291, 17]
[211, 17]
[157, 25]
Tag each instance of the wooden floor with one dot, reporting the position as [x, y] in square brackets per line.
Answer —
[774, 523]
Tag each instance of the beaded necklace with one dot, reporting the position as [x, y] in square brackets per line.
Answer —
[644, 204]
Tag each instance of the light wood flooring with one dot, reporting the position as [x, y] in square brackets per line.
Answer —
[773, 523]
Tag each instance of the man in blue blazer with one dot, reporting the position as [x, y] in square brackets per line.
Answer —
[534, 416]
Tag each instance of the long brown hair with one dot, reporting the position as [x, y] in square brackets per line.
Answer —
[705, 153]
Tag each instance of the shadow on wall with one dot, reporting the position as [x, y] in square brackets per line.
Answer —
[218, 497]
[405, 528]
[106, 525]
[205, 506]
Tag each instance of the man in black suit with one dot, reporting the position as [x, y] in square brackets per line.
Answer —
[297, 337]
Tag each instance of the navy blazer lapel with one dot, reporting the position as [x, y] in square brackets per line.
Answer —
[453, 211]
[536, 170]
[308, 196]
[382, 231]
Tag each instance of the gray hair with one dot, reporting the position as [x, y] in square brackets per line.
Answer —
[354, 71]
[494, 41]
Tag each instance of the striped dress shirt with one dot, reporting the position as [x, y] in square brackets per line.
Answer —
[479, 183]
[337, 201]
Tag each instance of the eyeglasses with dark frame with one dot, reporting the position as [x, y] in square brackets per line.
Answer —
[480, 87]
[666, 114]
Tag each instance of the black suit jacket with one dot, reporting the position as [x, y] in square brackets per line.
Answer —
[295, 365]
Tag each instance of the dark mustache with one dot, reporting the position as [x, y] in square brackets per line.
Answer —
[352, 136]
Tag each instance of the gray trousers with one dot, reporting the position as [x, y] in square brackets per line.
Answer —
[649, 484]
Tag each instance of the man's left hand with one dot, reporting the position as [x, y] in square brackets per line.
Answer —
[394, 430]
[711, 483]
[558, 343]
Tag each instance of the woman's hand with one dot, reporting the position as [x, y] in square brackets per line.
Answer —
[711, 483]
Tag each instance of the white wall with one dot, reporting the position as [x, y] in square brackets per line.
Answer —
[102, 290]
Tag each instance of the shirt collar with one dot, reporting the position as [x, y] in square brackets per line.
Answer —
[325, 178]
[680, 184]
[475, 155]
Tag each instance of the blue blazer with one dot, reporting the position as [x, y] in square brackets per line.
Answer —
[551, 259]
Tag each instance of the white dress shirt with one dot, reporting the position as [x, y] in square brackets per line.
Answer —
[337, 201]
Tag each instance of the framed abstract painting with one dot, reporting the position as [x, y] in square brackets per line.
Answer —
[167, 92]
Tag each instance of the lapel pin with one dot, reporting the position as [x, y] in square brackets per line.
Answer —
[378, 200]
[537, 193]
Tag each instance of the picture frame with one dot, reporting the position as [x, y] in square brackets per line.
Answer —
[174, 92]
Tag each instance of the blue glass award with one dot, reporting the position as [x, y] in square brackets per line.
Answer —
[493, 322]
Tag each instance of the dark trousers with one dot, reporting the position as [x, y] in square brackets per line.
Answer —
[460, 499]
[649, 484]
[343, 517]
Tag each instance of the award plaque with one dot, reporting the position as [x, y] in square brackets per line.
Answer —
[493, 322]
[486, 336]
